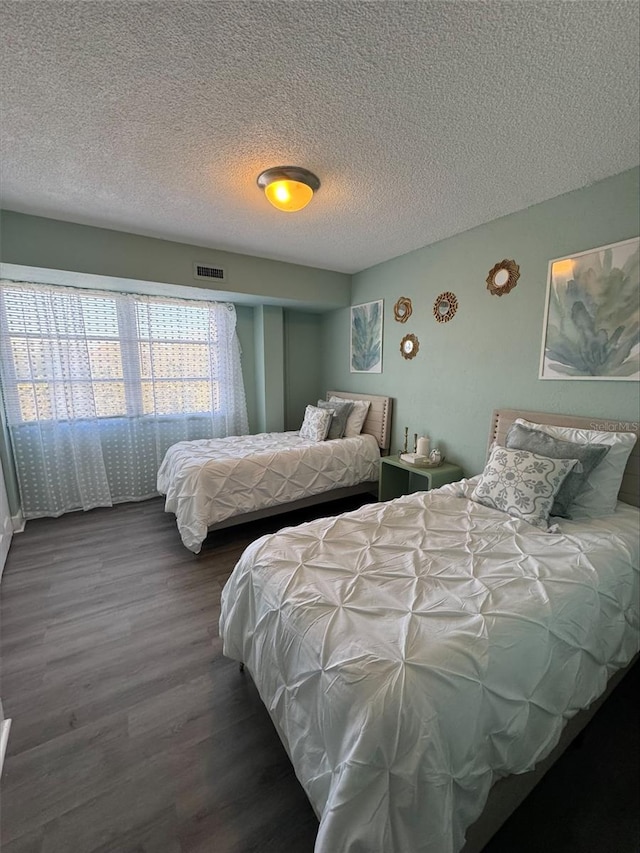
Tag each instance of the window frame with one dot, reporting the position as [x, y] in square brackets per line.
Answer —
[130, 341]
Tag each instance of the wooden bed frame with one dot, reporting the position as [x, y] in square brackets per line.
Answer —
[508, 793]
[377, 424]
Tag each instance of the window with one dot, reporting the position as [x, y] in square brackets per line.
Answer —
[98, 385]
[177, 370]
[80, 354]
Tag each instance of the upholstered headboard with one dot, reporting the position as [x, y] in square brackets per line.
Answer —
[378, 422]
[630, 487]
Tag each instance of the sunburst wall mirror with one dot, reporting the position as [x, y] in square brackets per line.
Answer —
[409, 346]
[503, 277]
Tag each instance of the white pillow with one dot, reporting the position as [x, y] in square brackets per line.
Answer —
[316, 423]
[358, 415]
[599, 495]
[522, 484]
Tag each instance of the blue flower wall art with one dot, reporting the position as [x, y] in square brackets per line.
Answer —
[592, 317]
[366, 337]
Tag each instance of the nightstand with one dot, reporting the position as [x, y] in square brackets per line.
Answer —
[397, 478]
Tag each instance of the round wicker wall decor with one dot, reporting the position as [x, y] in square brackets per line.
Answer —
[445, 307]
[403, 309]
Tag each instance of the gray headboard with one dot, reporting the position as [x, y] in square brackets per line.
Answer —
[378, 422]
[630, 487]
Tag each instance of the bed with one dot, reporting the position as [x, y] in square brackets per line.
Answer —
[425, 660]
[215, 483]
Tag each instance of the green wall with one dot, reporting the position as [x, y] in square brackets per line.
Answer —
[270, 368]
[244, 327]
[303, 358]
[34, 241]
[488, 356]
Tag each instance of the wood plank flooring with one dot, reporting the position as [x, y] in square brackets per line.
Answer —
[131, 731]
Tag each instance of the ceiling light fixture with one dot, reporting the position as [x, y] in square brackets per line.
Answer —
[288, 188]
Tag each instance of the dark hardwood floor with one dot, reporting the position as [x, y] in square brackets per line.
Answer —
[131, 731]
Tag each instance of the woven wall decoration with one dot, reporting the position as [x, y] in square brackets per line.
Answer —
[445, 307]
[403, 309]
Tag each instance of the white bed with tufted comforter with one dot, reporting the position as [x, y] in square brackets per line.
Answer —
[412, 653]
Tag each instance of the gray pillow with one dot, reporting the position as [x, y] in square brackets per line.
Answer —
[521, 483]
[521, 437]
[315, 425]
[341, 412]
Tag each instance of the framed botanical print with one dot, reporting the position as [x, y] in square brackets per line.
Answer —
[592, 315]
[366, 337]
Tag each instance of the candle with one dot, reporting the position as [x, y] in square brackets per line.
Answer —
[423, 445]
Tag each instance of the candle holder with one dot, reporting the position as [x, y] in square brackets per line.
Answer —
[406, 439]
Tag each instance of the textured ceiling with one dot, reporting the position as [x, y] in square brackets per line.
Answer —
[422, 119]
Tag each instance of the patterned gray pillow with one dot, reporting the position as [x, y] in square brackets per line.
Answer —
[521, 437]
[315, 425]
[522, 483]
[341, 412]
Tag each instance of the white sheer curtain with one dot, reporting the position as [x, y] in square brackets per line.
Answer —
[97, 385]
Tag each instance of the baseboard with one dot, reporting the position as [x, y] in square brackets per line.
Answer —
[5, 725]
[18, 522]
[10, 525]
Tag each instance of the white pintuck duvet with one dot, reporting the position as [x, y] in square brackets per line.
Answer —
[412, 652]
[210, 480]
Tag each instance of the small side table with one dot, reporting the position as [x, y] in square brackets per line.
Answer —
[397, 478]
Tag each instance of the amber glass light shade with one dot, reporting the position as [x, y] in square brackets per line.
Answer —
[288, 188]
[289, 195]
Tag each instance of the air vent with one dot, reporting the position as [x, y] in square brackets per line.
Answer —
[207, 273]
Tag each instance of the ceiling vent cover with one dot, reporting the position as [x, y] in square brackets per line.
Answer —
[204, 272]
